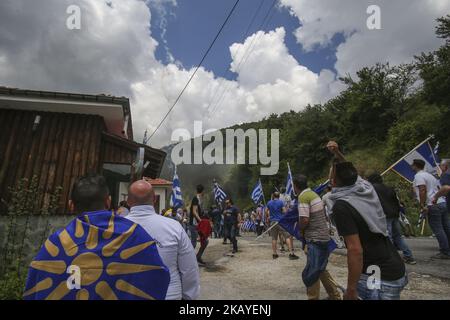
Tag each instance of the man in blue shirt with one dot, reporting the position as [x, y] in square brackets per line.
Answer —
[276, 209]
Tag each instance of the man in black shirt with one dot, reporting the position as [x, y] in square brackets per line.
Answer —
[391, 207]
[375, 269]
[230, 221]
[195, 214]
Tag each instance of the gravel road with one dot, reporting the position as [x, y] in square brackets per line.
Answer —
[253, 274]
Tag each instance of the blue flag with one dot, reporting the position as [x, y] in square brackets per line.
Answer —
[98, 256]
[176, 200]
[319, 189]
[424, 152]
[290, 222]
[257, 193]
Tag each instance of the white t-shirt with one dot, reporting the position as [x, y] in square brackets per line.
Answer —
[286, 200]
[423, 178]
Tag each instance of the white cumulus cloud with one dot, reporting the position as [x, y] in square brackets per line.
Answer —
[407, 28]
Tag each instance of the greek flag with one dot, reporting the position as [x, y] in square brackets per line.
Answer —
[176, 200]
[319, 189]
[219, 194]
[257, 193]
[422, 151]
[289, 183]
[248, 225]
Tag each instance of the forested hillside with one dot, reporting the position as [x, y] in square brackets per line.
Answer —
[383, 112]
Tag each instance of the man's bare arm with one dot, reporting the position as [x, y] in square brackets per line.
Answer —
[195, 213]
[443, 191]
[304, 222]
[355, 265]
[333, 147]
[422, 196]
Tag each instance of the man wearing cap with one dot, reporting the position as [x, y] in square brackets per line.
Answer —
[426, 187]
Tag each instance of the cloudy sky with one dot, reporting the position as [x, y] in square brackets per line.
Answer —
[147, 50]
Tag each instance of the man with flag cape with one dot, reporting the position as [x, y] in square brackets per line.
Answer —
[98, 255]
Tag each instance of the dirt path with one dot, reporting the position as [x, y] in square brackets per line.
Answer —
[252, 274]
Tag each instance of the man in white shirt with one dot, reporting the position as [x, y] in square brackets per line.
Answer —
[426, 187]
[286, 198]
[173, 243]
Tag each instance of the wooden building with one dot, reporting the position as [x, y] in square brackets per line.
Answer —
[59, 137]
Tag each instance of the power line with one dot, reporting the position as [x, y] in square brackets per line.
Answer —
[247, 54]
[197, 68]
[227, 69]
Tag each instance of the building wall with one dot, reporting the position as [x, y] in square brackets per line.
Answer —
[28, 244]
[163, 197]
[60, 149]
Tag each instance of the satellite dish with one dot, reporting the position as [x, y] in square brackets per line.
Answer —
[139, 164]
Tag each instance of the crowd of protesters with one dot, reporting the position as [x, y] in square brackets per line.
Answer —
[364, 211]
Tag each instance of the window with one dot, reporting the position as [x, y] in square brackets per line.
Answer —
[118, 178]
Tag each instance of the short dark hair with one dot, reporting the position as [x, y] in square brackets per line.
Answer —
[375, 178]
[346, 174]
[89, 193]
[124, 204]
[419, 163]
[301, 181]
[200, 188]
[276, 194]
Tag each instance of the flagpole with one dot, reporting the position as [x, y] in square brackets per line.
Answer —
[434, 158]
[292, 178]
[262, 190]
[412, 150]
[273, 226]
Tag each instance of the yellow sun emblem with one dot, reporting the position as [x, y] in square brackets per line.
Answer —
[105, 262]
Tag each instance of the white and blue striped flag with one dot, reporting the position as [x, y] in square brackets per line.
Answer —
[424, 152]
[248, 225]
[176, 200]
[258, 193]
[219, 194]
[290, 183]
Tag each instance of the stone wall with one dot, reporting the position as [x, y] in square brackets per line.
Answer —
[39, 228]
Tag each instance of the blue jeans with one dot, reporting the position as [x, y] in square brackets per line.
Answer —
[230, 232]
[193, 234]
[316, 261]
[394, 230]
[217, 229]
[440, 225]
[389, 290]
